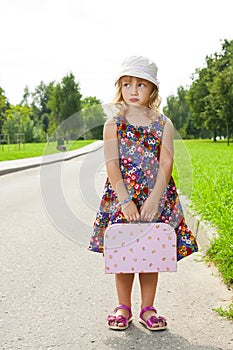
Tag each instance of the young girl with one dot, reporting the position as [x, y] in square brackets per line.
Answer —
[138, 147]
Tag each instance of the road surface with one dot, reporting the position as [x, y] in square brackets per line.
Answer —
[54, 294]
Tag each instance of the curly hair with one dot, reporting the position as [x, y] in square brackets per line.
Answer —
[154, 101]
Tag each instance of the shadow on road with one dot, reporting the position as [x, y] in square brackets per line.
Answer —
[136, 338]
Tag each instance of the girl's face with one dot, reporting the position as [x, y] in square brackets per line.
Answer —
[136, 91]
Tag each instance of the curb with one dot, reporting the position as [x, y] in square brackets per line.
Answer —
[202, 229]
[10, 166]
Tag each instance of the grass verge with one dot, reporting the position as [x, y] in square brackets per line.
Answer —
[29, 150]
[204, 172]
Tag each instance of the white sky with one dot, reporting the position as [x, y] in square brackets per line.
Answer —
[46, 39]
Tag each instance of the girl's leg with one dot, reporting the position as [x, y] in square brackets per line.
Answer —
[148, 284]
[124, 284]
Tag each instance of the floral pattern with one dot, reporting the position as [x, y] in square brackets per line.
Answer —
[139, 150]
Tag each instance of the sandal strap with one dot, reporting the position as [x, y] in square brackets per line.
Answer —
[156, 320]
[153, 320]
[125, 307]
[147, 309]
[119, 319]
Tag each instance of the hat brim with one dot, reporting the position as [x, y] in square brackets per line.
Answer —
[138, 74]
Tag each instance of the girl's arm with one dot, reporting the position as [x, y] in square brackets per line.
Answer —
[150, 206]
[111, 155]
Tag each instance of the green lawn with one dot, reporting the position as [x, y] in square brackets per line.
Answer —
[36, 149]
[206, 177]
[203, 171]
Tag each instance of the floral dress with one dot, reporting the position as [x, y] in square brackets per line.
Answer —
[139, 152]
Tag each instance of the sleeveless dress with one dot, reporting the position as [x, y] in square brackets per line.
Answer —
[139, 152]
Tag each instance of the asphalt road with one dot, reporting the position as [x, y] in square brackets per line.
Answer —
[54, 293]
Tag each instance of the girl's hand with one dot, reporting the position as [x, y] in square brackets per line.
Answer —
[149, 210]
[130, 211]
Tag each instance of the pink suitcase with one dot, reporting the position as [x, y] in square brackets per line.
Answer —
[140, 247]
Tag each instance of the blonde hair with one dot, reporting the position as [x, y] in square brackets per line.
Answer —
[154, 101]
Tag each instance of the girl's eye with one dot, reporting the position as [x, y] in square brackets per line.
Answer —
[142, 85]
[126, 84]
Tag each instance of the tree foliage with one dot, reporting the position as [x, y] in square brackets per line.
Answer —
[65, 100]
[3, 107]
[179, 111]
[205, 108]
[93, 117]
[53, 108]
[17, 122]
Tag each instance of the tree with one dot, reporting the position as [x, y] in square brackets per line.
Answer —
[178, 110]
[40, 109]
[3, 107]
[18, 121]
[199, 99]
[65, 100]
[222, 89]
[26, 97]
[171, 109]
[211, 92]
[93, 118]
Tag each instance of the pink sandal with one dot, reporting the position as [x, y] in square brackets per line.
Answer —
[120, 318]
[152, 320]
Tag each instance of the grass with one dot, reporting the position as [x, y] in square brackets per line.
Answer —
[227, 312]
[207, 179]
[29, 150]
[204, 173]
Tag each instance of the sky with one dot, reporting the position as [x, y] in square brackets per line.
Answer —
[43, 40]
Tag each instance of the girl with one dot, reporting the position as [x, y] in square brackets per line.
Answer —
[138, 147]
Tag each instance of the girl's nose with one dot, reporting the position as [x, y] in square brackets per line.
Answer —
[134, 90]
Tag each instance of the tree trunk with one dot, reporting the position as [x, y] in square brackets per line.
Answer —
[215, 135]
[228, 135]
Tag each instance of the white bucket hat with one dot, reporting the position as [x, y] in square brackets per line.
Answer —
[139, 67]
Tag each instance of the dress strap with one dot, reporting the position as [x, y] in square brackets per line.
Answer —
[162, 119]
[120, 120]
